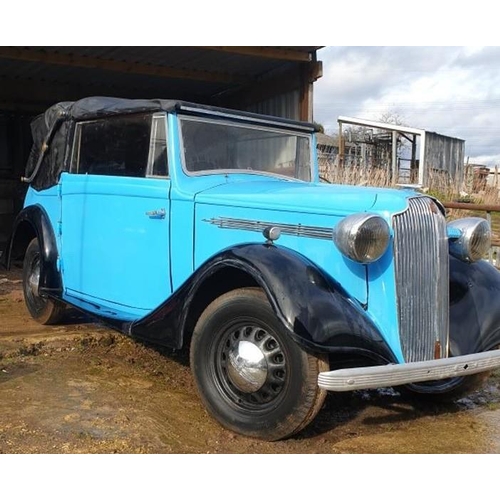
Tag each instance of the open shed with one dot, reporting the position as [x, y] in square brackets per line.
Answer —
[437, 154]
[271, 80]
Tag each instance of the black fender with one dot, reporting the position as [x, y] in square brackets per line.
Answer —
[315, 309]
[32, 222]
[474, 307]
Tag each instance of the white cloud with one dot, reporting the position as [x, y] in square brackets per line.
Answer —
[450, 90]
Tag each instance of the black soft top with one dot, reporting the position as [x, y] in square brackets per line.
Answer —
[51, 130]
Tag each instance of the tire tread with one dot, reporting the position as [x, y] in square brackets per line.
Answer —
[53, 310]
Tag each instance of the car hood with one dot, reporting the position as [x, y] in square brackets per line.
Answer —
[320, 198]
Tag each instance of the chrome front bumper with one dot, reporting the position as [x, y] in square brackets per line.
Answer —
[373, 377]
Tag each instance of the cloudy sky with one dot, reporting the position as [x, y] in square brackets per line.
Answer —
[453, 91]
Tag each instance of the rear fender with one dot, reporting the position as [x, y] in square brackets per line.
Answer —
[33, 222]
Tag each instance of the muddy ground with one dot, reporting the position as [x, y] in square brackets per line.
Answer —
[82, 388]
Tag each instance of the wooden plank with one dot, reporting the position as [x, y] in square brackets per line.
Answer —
[305, 112]
[48, 57]
[472, 206]
[265, 52]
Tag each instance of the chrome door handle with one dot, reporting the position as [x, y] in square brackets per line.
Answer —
[156, 214]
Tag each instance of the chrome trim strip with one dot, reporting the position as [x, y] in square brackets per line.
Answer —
[421, 263]
[321, 233]
[374, 377]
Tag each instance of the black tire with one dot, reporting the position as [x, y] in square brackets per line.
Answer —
[44, 310]
[275, 400]
[444, 391]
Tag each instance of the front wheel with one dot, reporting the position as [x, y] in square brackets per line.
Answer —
[445, 391]
[253, 378]
[42, 309]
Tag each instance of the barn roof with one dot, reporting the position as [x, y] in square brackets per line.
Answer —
[35, 77]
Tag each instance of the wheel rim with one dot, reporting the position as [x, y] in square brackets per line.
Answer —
[36, 301]
[249, 366]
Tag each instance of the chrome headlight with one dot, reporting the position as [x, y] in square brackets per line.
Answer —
[474, 239]
[362, 237]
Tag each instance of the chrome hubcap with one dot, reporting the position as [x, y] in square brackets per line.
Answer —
[250, 366]
[34, 279]
[247, 366]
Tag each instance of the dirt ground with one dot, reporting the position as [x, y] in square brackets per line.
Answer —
[82, 388]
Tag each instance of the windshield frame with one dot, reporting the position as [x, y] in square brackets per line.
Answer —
[246, 125]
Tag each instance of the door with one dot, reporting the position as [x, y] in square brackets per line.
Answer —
[115, 214]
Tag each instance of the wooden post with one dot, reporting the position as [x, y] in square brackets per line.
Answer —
[490, 251]
[413, 159]
[394, 159]
[468, 182]
[341, 147]
[305, 94]
[422, 167]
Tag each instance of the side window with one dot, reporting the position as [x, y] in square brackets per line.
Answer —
[113, 146]
[158, 161]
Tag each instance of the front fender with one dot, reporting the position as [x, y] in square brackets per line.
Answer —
[31, 222]
[474, 307]
[313, 308]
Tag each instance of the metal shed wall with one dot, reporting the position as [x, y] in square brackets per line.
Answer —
[444, 154]
[285, 105]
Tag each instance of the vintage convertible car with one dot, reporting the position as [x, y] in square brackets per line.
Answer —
[189, 225]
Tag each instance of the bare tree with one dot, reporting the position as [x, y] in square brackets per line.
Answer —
[393, 117]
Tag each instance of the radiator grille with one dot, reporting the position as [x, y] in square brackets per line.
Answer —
[422, 268]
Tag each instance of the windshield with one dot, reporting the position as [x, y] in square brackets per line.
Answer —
[211, 145]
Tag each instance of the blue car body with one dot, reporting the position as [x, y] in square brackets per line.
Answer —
[149, 253]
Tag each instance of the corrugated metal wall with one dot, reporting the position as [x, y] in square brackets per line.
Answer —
[285, 105]
[444, 155]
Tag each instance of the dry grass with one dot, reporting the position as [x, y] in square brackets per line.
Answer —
[439, 185]
[356, 176]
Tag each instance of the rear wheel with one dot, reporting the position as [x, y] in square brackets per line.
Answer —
[42, 309]
[253, 378]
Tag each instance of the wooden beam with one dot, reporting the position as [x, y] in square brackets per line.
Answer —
[305, 111]
[315, 71]
[55, 58]
[266, 52]
[409, 139]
